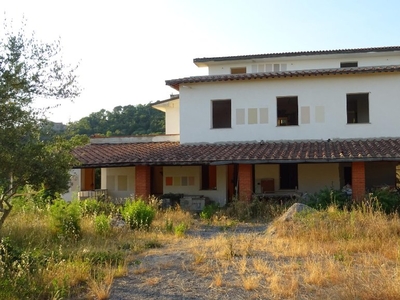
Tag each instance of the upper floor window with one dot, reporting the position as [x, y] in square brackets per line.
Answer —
[349, 64]
[240, 70]
[221, 113]
[287, 111]
[357, 108]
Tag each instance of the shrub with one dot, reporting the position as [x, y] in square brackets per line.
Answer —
[327, 197]
[93, 207]
[209, 211]
[138, 214]
[66, 219]
[180, 229]
[386, 199]
[102, 224]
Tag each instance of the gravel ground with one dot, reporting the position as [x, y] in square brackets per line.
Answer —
[169, 272]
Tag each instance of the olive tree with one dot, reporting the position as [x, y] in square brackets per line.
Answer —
[29, 70]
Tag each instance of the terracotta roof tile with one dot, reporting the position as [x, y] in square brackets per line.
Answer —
[174, 153]
[299, 53]
[174, 83]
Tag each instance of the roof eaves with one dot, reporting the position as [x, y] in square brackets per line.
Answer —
[174, 83]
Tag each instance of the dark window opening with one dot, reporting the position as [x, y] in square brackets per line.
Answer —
[357, 108]
[288, 176]
[287, 111]
[208, 177]
[350, 64]
[221, 113]
[240, 70]
[347, 175]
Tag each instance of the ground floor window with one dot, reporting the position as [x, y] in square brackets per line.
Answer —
[208, 177]
[288, 176]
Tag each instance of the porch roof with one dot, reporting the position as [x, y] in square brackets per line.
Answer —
[174, 153]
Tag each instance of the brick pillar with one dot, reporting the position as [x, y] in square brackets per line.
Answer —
[358, 180]
[142, 181]
[245, 174]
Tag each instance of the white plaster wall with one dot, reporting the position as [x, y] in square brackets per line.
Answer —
[219, 195]
[171, 110]
[109, 181]
[314, 177]
[75, 185]
[328, 92]
[172, 118]
[309, 63]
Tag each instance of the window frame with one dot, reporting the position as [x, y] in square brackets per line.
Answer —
[355, 104]
[219, 107]
[238, 70]
[349, 64]
[291, 119]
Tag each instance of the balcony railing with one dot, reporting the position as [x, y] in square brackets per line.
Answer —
[98, 194]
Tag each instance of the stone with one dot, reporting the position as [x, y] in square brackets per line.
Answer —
[294, 209]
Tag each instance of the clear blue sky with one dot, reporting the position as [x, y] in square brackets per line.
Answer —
[128, 49]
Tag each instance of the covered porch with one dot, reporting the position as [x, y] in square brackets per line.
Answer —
[222, 172]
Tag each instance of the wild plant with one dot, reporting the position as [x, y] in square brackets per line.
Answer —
[138, 214]
[208, 211]
[180, 229]
[102, 224]
[66, 219]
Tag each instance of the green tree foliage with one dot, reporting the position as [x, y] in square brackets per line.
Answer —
[31, 69]
[121, 121]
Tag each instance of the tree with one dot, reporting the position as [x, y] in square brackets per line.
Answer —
[31, 69]
[121, 121]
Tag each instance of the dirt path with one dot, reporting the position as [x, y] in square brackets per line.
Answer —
[171, 272]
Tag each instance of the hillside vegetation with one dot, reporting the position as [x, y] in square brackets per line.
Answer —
[121, 121]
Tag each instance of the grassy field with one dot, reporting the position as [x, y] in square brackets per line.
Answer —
[331, 254]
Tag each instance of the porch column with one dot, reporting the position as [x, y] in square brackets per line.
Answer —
[142, 181]
[358, 180]
[245, 174]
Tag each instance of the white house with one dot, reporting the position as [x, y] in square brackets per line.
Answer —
[269, 123]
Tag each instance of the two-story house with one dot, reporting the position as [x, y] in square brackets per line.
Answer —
[269, 123]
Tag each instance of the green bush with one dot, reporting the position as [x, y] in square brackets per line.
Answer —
[180, 229]
[66, 217]
[209, 211]
[385, 199]
[138, 214]
[102, 224]
[93, 207]
[328, 197]
[17, 269]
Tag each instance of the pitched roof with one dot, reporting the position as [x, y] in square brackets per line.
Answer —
[300, 53]
[174, 83]
[174, 153]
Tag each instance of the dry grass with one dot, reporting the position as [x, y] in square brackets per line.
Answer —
[330, 254]
[100, 288]
[218, 280]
